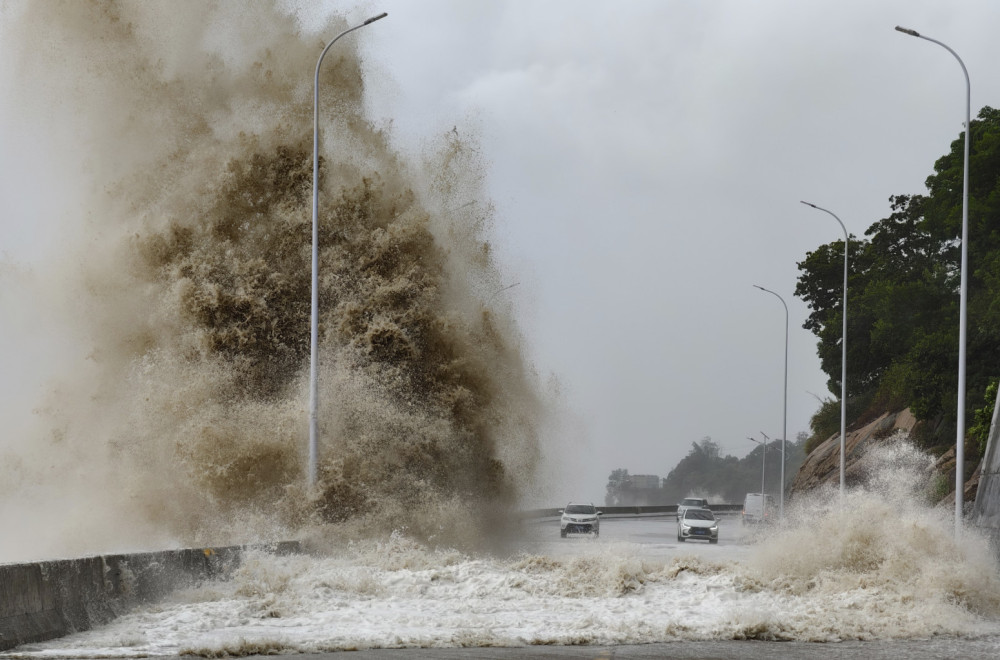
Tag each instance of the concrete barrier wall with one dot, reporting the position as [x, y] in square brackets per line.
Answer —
[632, 510]
[986, 509]
[50, 599]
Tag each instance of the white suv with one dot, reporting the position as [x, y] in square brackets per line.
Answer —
[579, 519]
[691, 503]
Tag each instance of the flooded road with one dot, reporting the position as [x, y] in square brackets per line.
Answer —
[654, 536]
[633, 592]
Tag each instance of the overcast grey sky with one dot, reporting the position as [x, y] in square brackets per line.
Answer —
[646, 160]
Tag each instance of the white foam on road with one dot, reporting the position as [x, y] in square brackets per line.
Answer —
[634, 584]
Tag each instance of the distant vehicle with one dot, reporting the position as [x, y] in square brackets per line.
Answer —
[579, 519]
[698, 524]
[758, 508]
[691, 503]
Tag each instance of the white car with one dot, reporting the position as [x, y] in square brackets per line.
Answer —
[698, 524]
[579, 519]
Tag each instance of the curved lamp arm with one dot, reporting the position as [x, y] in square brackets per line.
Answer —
[314, 316]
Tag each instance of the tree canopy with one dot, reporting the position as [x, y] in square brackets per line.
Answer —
[903, 295]
[705, 472]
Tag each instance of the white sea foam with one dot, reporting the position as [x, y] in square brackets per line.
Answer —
[876, 569]
[180, 420]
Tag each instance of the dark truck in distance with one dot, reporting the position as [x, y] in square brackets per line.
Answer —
[690, 503]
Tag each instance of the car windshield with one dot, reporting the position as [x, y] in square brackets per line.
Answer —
[692, 502]
[698, 514]
[580, 508]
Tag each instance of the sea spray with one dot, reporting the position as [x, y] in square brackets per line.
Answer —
[881, 549]
[882, 565]
[182, 419]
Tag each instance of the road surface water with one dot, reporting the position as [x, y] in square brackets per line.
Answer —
[632, 592]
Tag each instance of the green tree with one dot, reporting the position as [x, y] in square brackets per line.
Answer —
[617, 482]
[979, 433]
[903, 283]
[706, 472]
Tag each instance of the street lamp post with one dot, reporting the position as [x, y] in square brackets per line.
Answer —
[963, 291]
[843, 358]
[763, 459]
[314, 317]
[784, 412]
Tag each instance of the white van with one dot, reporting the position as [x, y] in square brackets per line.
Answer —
[758, 508]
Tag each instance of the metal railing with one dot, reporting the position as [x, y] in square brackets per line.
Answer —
[666, 509]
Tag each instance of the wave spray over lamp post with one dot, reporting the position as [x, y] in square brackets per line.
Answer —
[314, 317]
[963, 291]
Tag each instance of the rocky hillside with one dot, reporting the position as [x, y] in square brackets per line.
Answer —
[822, 466]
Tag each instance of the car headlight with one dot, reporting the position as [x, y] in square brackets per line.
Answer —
[685, 527]
[714, 528]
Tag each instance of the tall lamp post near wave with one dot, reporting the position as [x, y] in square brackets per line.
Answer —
[843, 358]
[314, 320]
[963, 291]
[784, 427]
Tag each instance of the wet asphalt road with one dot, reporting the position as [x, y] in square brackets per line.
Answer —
[545, 537]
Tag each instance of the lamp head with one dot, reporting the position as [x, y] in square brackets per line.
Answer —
[375, 18]
[912, 33]
[809, 204]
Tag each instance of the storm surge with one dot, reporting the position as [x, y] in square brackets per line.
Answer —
[179, 417]
[878, 567]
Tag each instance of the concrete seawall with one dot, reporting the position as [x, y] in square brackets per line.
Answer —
[986, 509]
[49, 599]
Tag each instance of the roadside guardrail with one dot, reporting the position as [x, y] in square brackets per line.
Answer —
[616, 511]
[49, 599]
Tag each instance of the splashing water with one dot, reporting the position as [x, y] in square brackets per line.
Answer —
[882, 552]
[177, 412]
[180, 417]
[879, 567]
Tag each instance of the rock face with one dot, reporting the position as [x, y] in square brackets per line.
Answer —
[945, 467]
[822, 466]
[981, 492]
